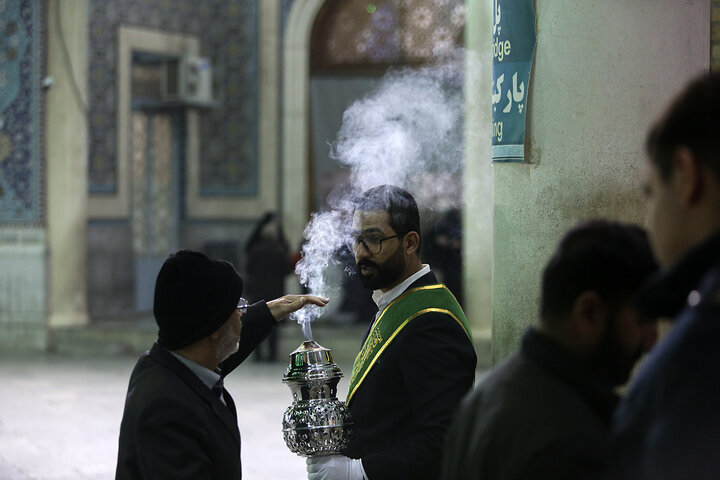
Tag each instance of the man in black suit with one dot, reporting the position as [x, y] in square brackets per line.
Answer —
[417, 359]
[179, 421]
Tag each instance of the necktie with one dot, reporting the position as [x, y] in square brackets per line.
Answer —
[218, 390]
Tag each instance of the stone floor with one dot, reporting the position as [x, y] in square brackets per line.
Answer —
[60, 415]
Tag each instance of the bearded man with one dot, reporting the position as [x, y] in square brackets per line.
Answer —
[545, 411]
[417, 359]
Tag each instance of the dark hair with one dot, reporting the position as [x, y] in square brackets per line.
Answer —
[400, 205]
[607, 257]
[256, 235]
[693, 121]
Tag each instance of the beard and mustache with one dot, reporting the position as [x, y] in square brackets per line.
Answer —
[380, 275]
[610, 361]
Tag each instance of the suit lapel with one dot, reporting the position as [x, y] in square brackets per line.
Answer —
[230, 404]
[227, 414]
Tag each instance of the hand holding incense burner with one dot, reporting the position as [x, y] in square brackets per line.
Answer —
[316, 423]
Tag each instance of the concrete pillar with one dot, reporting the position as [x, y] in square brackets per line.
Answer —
[478, 208]
[66, 153]
[603, 71]
[295, 115]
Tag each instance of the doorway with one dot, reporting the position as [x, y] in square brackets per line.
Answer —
[157, 139]
[157, 154]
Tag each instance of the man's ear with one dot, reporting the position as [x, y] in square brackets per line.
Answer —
[687, 176]
[411, 242]
[215, 336]
[589, 317]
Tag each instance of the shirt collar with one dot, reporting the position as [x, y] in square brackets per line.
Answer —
[206, 376]
[383, 299]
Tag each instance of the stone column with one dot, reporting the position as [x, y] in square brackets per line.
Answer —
[478, 191]
[67, 152]
[295, 115]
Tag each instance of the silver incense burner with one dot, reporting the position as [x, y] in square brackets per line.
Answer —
[316, 423]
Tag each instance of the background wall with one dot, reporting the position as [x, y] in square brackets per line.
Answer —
[232, 165]
[477, 179]
[228, 33]
[22, 184]
[603, 71]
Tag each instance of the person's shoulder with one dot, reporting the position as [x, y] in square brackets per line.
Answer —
[428, 279]
[437, 323]
[505, 405]
[505, 380]
[527, 388]
[149, 375]
[156, 372]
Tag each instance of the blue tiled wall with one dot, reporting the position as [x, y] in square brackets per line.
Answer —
[21, 111]
[228, 33]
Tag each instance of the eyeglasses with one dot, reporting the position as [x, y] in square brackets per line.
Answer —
[242, 305]
[372, 243]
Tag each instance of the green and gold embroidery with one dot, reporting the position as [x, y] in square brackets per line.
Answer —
[402, 310]
[373, 340]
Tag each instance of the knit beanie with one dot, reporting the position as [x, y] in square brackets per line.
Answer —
[194, 296]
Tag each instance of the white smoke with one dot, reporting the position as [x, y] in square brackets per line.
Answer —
[408, 133]
[325, 234]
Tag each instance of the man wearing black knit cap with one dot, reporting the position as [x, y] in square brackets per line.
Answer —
[179, 421]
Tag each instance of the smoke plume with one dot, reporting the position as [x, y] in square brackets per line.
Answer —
[408, 133]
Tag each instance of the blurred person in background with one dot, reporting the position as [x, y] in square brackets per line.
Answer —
[268, 264]
[668, 426]
[443, 249]
[545, 412]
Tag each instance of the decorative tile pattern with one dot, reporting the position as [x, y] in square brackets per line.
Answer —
[21, 111]
[153, 219]
[387, 32]
[228, 33]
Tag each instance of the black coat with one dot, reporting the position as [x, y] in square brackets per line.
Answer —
[174, 426]
[406, 402]
[668, 425]
[268, 265]
[538, 415]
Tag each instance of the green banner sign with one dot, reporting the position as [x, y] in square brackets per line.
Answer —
[514, 39]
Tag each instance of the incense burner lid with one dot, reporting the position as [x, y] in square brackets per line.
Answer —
[311, 362]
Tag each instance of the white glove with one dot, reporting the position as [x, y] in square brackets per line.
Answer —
[335, 467]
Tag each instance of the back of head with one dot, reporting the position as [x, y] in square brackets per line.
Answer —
[194, 296]
[609, 258]
[692, 121]
[400, 205]
[261, 230]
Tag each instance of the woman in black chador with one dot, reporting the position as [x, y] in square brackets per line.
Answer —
[267, 266]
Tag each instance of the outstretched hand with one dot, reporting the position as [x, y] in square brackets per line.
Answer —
[287, 304]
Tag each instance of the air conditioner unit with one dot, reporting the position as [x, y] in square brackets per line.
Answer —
[188, 79]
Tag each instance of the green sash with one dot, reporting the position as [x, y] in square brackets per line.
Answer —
[409, 305]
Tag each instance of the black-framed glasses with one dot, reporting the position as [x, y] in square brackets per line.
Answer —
[242, 305]
[372, 243]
